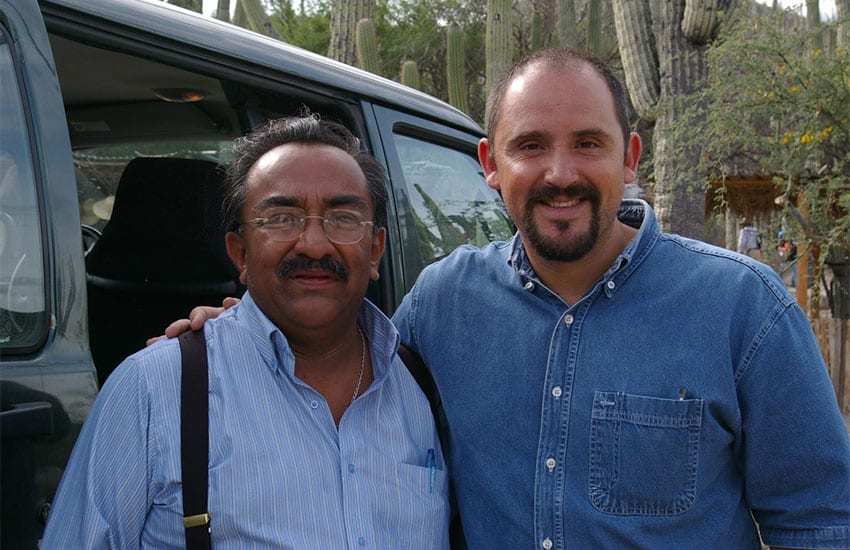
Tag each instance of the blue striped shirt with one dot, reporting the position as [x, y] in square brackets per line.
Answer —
[281, 474]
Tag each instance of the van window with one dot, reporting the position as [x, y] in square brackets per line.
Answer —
[23, 317]
[98, 171]
[451, 202]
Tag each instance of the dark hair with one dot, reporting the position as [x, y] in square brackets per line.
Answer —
[304, 129]
[557, 58]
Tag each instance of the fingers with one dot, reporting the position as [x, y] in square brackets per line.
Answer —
[229, 302]
[177, 328]
[155, 339]
[199, 315]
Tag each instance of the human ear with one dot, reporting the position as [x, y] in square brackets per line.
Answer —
[632, 159]
[238, 254]
[379, 242]
[488, 164]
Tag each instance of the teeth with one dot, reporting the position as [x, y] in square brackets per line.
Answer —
[562, 204]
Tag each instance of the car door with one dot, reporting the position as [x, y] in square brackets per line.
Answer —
[47, 381]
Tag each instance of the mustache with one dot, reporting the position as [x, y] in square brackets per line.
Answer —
[303, 263]
[545, 193]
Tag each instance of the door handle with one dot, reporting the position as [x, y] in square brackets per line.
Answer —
[27, 419]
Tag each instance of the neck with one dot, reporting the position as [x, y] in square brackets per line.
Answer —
[572, 280]
[337, 366]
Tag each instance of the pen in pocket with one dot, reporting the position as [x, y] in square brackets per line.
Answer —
[431, 463]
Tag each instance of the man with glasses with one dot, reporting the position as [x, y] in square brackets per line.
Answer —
[317, 431]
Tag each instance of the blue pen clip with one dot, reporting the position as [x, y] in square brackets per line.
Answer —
[431, 463]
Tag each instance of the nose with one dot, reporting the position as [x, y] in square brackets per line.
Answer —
[313, 242]
[561, 170]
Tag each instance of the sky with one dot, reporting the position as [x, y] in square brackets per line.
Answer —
[827, 7]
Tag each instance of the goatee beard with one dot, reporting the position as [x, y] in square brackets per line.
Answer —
[563, 248]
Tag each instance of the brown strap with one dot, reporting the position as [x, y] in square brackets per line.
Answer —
[194, 439]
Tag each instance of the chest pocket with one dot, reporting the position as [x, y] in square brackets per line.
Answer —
[643, 454]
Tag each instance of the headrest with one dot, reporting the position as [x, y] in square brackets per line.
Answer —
[166, 225]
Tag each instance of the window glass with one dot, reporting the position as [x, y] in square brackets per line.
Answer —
[98, 170]
[23, 317]
[451, 202]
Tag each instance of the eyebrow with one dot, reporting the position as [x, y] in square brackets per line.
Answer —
[333, 202]
[536, 135]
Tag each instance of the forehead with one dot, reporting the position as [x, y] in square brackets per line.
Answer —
[558, 99]
[306, 175]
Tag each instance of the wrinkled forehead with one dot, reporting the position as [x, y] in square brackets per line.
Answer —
[308, 176]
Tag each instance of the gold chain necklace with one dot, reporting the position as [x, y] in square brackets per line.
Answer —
[362, 365]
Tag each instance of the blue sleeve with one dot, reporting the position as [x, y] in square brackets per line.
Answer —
[103, 498]
[795, 450]
[402, 319]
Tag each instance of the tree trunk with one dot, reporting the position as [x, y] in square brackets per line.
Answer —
[344, 17]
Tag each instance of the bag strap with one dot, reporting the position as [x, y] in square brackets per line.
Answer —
[194, 439]
[426, 383]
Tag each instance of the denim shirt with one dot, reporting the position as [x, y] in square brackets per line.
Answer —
[682, 398]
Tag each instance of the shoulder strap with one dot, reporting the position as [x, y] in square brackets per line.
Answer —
[426, 383]
[194, 439]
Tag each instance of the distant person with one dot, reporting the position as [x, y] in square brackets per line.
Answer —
[611, 387]
[788, 256]
[319, 436]
[749, 242]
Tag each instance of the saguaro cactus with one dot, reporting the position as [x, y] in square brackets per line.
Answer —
[410, 74]
[455, 67]
[499, 40]
[667, 66]
[567, 32]
[344, 17]
[367, 46]
[594, 26]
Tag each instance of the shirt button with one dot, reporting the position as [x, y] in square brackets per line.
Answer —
[351, 468]
[550, 463]
[556, 391]
[611, 285]
[314, 404]
[568, 320]
[361, 541]
[547, 544]
[529, 286]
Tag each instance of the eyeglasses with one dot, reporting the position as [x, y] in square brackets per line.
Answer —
[341, 226]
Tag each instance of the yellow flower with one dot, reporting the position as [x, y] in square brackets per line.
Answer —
[806, 138]
[794, 89]
[817, 53]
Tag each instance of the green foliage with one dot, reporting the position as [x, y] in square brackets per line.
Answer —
[416, 29]
[308, 27]
[776, 105]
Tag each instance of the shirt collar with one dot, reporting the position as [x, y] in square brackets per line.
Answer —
[632, 212]
[274, 349]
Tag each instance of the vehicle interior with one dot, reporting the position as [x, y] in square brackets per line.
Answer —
[151, 127]
[149, 141]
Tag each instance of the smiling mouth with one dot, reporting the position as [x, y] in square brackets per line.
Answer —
[562, 204]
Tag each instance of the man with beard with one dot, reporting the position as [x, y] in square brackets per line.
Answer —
[318, 434]
[612, 387]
